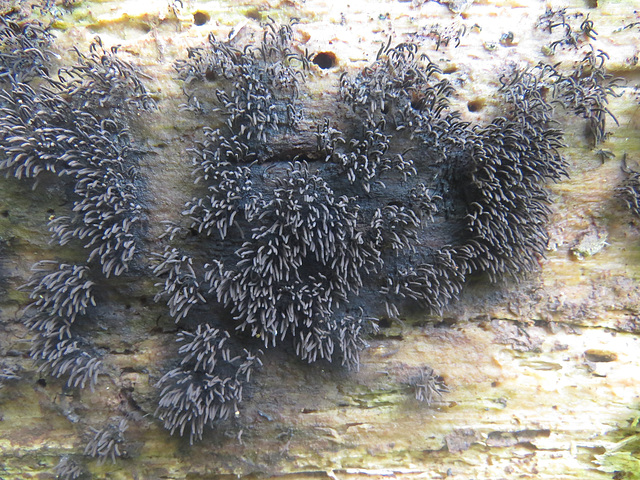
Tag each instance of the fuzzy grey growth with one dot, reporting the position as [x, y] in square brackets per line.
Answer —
[428, 385]
[629, 191]
[108, 442]
[61, 294]
[585, 92]
[8, 373]
[68, 469]
[399, 204]
[181, 284]
[207, 386]
[571, 34]
[24, 50]
[65, 292]
[75, 127]
[306, 252]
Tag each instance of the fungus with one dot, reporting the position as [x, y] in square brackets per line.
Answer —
[8, 373]
[76, 128]
[428, 385]
[586, 90]
[68, 469]
[444, 34]
[24, 50]
[181, 284]
[107, 442]
[84, 138]
[66, 357]
[207, 385]
[399, 204]
[572, 34]
[65, 291]
[309, 251]
[629, 191]
[61, 294]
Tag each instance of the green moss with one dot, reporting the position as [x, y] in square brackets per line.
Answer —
[623, 459]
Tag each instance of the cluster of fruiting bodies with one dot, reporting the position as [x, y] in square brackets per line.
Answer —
[399, 206]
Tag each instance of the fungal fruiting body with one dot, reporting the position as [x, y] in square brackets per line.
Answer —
[398, 204]
[107, 442]
[207, 385]
[73, 130]
[629, 191]
[25, 50]
[428, 385]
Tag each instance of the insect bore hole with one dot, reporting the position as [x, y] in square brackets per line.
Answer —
[200, 18]
[325, 60]
[475, 105]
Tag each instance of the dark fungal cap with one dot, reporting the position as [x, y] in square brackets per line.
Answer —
[398, 206]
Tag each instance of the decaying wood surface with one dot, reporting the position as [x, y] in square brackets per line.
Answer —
[543, 374]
